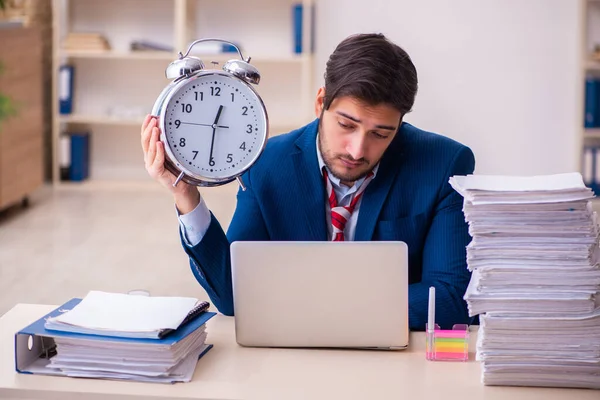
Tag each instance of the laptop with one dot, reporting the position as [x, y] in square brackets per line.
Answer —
[321, 294]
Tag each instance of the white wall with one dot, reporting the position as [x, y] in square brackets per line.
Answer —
[501, 76]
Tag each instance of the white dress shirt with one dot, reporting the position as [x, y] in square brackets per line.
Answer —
[195, 223]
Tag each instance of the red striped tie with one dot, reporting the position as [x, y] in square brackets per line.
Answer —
[341, 214]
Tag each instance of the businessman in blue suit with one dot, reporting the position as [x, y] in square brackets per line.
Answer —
[357, 172]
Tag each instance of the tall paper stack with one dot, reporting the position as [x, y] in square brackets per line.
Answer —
[535, 279]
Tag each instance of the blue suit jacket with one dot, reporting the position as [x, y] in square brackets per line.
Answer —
[409, 200]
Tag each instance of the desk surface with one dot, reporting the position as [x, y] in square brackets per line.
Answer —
[230, 371]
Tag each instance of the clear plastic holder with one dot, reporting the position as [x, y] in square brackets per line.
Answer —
[447, 344]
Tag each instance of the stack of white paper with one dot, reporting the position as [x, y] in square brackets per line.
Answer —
[129, 361]
[116, 336]
[535, 278]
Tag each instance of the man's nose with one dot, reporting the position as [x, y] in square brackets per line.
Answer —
[356, 146]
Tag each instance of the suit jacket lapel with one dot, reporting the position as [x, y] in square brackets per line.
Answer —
[310, 197]
[377, 191]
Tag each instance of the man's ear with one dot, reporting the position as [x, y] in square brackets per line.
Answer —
[319, 102]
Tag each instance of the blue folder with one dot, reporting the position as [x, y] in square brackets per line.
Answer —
[34, 344]
[297, 27]
[65, 89]
[80, 156]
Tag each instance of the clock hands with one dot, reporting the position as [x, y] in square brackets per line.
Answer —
[211, 162]
[192, 123]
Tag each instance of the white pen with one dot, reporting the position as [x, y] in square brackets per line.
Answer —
[431, 321]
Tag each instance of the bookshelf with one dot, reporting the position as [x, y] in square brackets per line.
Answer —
[590, 68]
[114, 89]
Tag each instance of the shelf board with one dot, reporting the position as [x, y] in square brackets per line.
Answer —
[275, 127]
[145, 184]
[138, 55]
[592, 133]
[166, 56]
[100, 120]
[292, 58]
[254, 58]
[591, 64]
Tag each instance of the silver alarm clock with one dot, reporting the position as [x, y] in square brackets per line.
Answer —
[213, 123]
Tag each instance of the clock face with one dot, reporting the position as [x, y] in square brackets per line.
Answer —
[215, 125]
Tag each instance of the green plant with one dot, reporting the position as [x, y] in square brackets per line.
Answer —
[7, 108]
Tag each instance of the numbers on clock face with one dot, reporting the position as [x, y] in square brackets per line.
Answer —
[215, 125]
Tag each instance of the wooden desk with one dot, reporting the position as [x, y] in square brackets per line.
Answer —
[230, 371]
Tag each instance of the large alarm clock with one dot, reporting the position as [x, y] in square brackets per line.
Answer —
[213, 122]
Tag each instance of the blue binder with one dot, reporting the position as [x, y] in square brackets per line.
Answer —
[297, 26]
[588, 167]
[227, 48]
[34, 344]
[65, 89]
[80, 156]
[595, 178]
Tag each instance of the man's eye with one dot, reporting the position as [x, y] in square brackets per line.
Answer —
[343, 125]
[379, 136]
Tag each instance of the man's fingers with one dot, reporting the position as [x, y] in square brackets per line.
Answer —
[159, 160]
[145, 123]
[152, 147]
[147, 133]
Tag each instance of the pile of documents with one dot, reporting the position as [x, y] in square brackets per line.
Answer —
[535, 278]
[139, 338]
[147, 45]
[83, 41]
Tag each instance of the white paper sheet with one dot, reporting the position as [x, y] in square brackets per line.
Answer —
[501, 183]
[111, 313]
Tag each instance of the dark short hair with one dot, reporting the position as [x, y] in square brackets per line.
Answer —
[373, 69]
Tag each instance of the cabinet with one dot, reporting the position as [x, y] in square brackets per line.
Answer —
[21, 135]
[114, 89]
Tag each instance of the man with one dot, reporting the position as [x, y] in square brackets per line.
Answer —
[391, 177]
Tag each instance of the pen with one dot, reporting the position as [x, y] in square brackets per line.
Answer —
[431, 322]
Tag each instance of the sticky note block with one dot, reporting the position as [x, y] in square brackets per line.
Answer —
[448, 345]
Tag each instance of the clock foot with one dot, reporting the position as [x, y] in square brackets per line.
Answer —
[179, 178]
[239, 179]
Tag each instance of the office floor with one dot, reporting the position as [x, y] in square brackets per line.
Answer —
[112, 237]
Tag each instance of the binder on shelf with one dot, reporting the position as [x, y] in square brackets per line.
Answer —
[205, 48]
[596, 171]
[65, 157]
[591, 167]
[35, 345]
[227, 48]
[297, 26]
[312, 28]
[65, 88]
[80, 156]
[148, 45]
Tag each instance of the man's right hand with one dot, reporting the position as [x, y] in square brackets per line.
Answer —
[186, 196]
